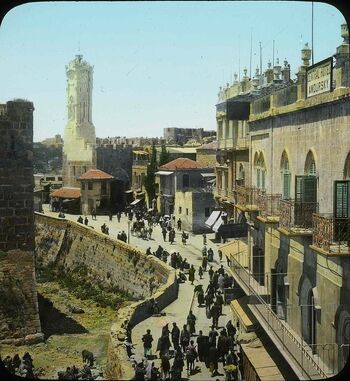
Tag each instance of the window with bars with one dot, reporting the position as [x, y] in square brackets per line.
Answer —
[286, 176]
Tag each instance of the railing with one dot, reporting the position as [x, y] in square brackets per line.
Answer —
[248, 195]
[296, 214]
[269, 204]
[331, 234]
[309, 363]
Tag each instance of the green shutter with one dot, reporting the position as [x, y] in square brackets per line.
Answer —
[263, 179]
[258, 178]
[309, 189]
[341, 199]
[286, 186]
[298, 188]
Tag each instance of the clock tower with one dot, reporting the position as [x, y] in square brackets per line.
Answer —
[79, 152]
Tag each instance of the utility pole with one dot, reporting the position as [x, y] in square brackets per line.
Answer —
[312, 32]
[251, 47]
[260, 64]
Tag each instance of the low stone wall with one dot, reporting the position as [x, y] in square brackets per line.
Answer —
[110, 262]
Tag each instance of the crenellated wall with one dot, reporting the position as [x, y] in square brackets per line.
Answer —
[111, 263]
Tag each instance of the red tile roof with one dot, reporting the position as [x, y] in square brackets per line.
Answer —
[182, 163]
[95, 174]
[66, 193]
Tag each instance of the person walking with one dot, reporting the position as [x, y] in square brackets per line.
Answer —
[215, 313]
[184, 338]
[220, 255]
[213, 361]
[110, 215]
[164, 231]
[184, 237]
[191, 322]
[93, 214]
[147, 343]
[211, 273]
[201, 345]
[204, 239]
[219, 301]
[179, 223]
[200, 272]
[119, 215]
[165, 367]
[204, 262]
[191, 273]
[212, 336]
[86, 221]
[223, 346]
[175, 335]
[191, 355]
[221, 282]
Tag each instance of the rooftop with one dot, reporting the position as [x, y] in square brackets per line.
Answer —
[212, 145]
[182, 163]
[66, 192]
[95, 174]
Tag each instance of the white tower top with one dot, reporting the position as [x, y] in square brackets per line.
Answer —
[79, 134]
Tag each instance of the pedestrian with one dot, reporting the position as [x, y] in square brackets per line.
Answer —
[215, 313]
[204, 262]
[86, 221]
[213, 361]
[200, 272]
[228, 261]
[93, 214]
[200, 298]
[191, 355]
[184, 237]
[191, 273]
[211, 273]
[219, 301]
[210, 255]
[221, 281]
[110, 215]
[209, 299]
[165, 366]
[147, 343]
[184, 338]
[204, 251]
[179, 224]
[221, 270]
[175, 335]
[191, 322]
[204, 239]
[220, 255]
[119, 215]
[148, 372]
[212, 337]
[164, 233]
[223, 346]
[201, 345]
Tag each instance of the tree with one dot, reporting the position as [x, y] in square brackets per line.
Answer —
[164, 155]
[149, 181]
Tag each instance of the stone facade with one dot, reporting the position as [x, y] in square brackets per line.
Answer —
[296, 199]
[79, 153]
[19, 319]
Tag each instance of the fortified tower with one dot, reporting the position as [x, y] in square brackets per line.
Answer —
[79, 135]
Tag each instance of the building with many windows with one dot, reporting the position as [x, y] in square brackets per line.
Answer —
[294, 189]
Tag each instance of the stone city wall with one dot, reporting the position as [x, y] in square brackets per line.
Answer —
[112, 263]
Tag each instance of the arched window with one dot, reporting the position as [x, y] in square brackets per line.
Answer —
[260, 172]
[310, 165]
[285, 176]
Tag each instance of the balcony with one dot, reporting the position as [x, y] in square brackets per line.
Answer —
[242, 143]
[247, 197]
[331, 235]
[296, 216]
[269, 204]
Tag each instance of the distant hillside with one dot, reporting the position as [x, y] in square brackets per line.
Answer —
[47, 159]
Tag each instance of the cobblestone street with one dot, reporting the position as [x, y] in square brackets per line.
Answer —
[178, 310]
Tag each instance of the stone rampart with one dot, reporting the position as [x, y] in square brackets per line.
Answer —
[111, 263]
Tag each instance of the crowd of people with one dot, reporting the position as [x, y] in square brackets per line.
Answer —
[22, 367]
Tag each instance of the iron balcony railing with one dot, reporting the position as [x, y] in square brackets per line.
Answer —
[331, 234]
[248, 196]
[269, 204]
[295, 215]
[311, 366]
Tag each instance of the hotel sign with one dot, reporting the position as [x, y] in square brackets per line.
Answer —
[319, 78]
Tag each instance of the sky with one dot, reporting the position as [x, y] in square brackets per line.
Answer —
[156, 64]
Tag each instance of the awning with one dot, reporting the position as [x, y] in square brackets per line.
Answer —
[211, 181]
[129, 191]
[66, 192]
[164, 173]
[136, 201]
[208, 174]
[234, 230]
[243, 318]
[212, 218]
[217, 224]
[237, 249]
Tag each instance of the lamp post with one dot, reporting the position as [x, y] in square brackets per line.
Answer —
[129, 222]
